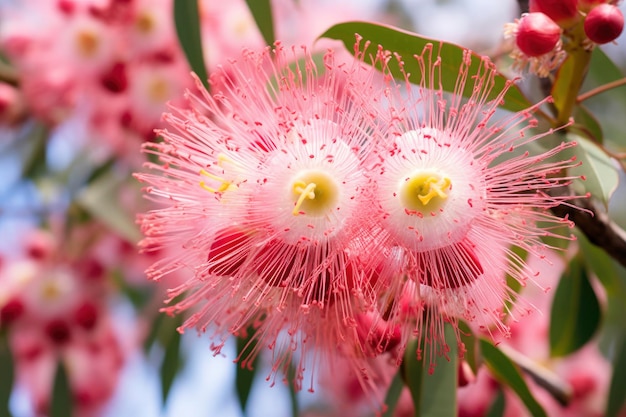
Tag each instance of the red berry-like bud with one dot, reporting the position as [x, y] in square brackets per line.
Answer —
[58, 331]
[561, 11]
[604, 23]
[537, 34]
[11, 311]
[228, 251]
[115, 79]
[86, 315]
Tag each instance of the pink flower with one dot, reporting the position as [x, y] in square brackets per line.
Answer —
[454, 188]
[53, 310]
[261, 186]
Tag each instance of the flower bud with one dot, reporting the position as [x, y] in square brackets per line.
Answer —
[604, 23]
[537, 34]
[562, 12]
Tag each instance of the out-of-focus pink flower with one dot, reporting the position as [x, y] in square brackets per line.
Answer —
[452, 193]
[53, 308]
[113, 64]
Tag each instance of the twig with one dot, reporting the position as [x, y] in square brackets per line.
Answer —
[545, 378]
[596, 225]
[601, 89]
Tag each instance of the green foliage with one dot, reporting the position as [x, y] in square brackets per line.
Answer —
[61, 401]
[575, 314]
[7, 374]
[262, 12]
[507, 373]
[408, 44]
[97, 200]
[187, 21]
[172, 359]
[393, 394]
[617, 390]
[601, 174]
[431, 385]
[244, 376]
[498, 406]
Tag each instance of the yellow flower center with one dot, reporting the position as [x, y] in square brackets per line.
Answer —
[424, 191]
[145, 23]
[87, 43]
[316, 193]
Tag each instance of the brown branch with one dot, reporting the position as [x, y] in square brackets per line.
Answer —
[597, 226]
[545, 378]
[601, 89]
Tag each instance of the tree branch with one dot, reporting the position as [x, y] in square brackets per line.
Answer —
[597, 227]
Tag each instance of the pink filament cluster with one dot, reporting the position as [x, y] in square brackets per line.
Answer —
[279, 195]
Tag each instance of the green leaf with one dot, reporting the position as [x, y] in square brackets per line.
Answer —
[6, 375]
[431, 388]
[601, 175]
[617, 390]
[471, 355]
[187, 21]
[172, 360]
[498, 406]
[602, 70]
[408, 44]
[575, 314]
[507, 373]
[245, 372]
[393, 394]
[262, 12]
[61, 401]
[99, 200]
[585, 123]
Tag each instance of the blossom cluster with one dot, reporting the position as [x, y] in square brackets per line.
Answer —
[333, 210]
[53, 307]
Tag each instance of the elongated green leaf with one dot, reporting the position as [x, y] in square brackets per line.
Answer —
[498, 406]
[169, 338]
[602, 70]
[408, 44]
[293, 395]
[262, 12]
[617, 390]
[587, 125]
[244, 376]
[61, 399]
[413, 373]
[187, 21]
[431, 387]
[505, 371]
[601, 175]
[6, 374]
[393, 394]
[98, 199]
[575, 314]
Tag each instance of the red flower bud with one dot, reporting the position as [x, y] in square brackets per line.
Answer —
[604, 23]
[537, 34]
[561, 11]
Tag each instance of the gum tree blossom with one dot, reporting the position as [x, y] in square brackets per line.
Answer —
[262, 190]
[456, 190]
